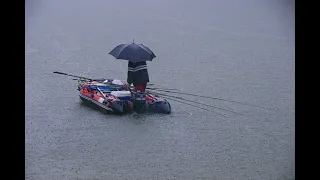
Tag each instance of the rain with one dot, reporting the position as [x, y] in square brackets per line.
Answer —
[239, 51]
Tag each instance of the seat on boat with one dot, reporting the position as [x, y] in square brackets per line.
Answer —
[122, 95]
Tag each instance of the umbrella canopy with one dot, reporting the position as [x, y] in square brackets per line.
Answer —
[133, 52]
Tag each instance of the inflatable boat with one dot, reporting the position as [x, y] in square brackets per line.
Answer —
[116, 96]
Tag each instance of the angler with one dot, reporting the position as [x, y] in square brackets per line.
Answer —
[137, 55]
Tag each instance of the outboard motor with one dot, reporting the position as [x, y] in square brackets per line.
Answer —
[139, 102]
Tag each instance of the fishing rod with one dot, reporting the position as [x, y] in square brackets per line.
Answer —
[81, 77]
[215, 98]
[72, 75]
[158, 88]
[203, 104]
[196, 106]
[190, 104]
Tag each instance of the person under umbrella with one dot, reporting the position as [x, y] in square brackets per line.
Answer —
[138, 75]
[137, 55]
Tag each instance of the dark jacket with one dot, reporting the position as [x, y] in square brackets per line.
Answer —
[137, 73]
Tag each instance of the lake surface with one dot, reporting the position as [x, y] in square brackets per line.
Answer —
[238, 50]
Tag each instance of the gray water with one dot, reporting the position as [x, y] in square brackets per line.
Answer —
[239, 50]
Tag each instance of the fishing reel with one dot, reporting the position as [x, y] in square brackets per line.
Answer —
[82, 81]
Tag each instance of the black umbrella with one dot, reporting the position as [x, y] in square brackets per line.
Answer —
[133, 52]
